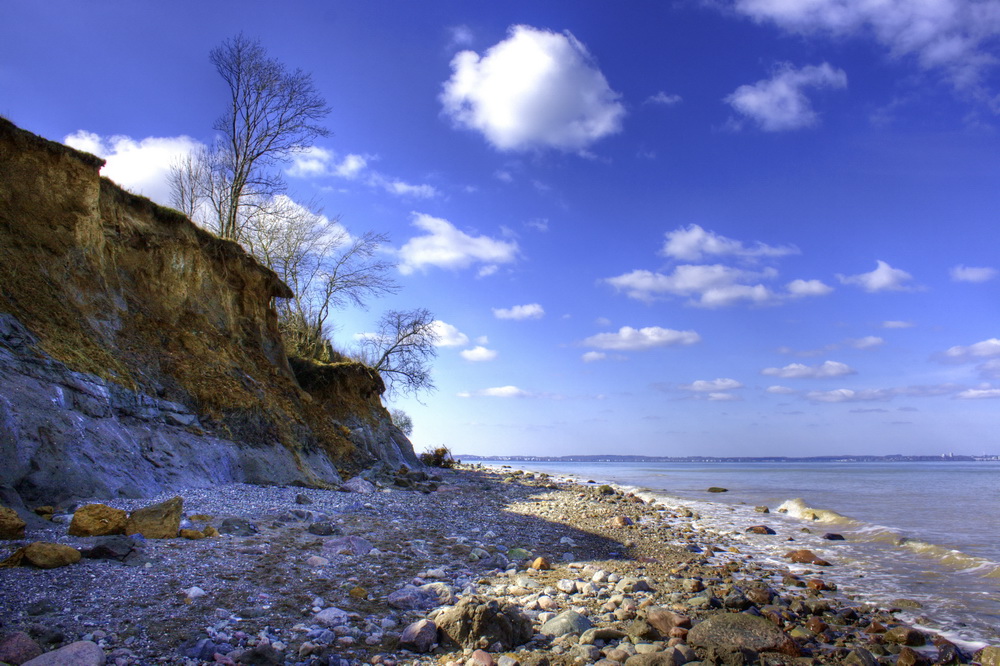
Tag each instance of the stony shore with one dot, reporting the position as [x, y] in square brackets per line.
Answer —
[466, 566]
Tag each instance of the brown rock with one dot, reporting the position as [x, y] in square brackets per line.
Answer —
[11, 525]
[194, 535]
[421, 636]
[210, 531]
[477, 622]
[159, 521]
[988, 656]
[904, 636]
[50, 555]
[80, 653]
[816, 625]
[97, 520]
[741, 631]
[759, 529]
[620, 521]
[910, 657]
[18, 648]
[806, 557]
[541, 564]
[664, 620]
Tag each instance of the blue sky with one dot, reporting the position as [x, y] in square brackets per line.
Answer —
[729, 227]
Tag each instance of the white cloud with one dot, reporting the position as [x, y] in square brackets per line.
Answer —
[448, 335]
[693, 243]
[801, 288]
[316, 162]
[898, 324]
[969, 274]
[825, 370]
[631, 339]
[990, 369]
[530, 311]
[591, 356]
[849, 395]
[534, 89]
[478, 354]
[497, 392]
[867, 342]
[779, 104]
[780, 390]
[461, 35]
[949, 35]
[445, 246]
[980, 350]
[721, 384]
[664, 99]
[883, 278]
[979, 394]
[723, 397]
[401, 188]
[707, 285]
[139, 166]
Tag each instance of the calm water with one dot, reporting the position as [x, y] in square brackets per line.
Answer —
[928, 532]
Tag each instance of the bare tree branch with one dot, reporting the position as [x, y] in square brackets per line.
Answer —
[402, 351]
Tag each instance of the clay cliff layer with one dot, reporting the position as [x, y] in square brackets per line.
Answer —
[138, 352]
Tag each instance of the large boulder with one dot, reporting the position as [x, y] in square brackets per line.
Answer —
[421, 636]
[97, 520]
[80, 653]
[737, 631]
[157, 521]
[43, 555]
[567, 622]
[11, 525]
[476, 622]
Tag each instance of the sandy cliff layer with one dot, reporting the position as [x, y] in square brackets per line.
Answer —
[138, 352]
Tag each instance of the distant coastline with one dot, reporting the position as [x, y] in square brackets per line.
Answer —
[947, 457]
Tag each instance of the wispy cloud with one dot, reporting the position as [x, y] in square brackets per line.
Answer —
[530, 311]
[640, 339]
[825, 370]
[970, 274]
[779, 104]
[883, 278]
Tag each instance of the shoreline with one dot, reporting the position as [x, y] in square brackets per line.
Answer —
[397, 556]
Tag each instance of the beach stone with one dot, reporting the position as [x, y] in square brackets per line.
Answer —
[317, 561]
[480, 622]
[349, 545]
[443, 593]
[97, 520]
[359, 485]
[741, 631]
[803, 556]
[663, 620]
[116, 547]
[717, 489]
[480, 658]
[518, 554]
[331, 617]
[80, 653]
[11, 525]
[191, 535]
[861, 657]
[18, 648]
[541, 564]
[600, 634]
[668, 657]
[910, 657]
[302, 498]
[237, 527]
[323, 528]
[759, 595]
[761, 509]
[567, 622]
[50, 555]
[903, 635]
[157, 521]
[760, 529]
[619, 521]
[411, 597]
[421, 636]
[988, 656]
[830, 536]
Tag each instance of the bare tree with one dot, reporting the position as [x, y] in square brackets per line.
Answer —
[401, 420]
[272, 112]
[402, 350]
[326, 268]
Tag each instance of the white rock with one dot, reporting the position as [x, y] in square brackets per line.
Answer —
[317, 561]
[331, 617]
[194, 592]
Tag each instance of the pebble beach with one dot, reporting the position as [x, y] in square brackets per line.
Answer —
[453, 566]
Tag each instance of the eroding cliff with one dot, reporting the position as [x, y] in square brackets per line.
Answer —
[139, 352]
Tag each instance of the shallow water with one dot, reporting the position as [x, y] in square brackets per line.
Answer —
[928, 532]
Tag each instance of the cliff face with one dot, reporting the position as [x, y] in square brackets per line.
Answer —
[139, 352]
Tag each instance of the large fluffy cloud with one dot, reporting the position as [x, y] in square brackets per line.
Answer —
[950, 35]
[447, 335]
[780, 103]
[445, 246]
[883, 278]
[140, 166]
[534, 89]
[632, 339]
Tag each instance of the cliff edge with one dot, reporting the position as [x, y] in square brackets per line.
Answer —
[140, 353]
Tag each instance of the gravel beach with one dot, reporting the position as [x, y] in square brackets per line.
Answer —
[464, 566]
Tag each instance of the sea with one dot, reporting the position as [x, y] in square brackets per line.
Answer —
[925, 532]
